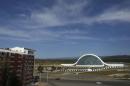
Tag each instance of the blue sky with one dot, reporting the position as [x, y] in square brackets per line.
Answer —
[65, 28]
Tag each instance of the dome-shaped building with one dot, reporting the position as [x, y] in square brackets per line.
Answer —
[91, 60]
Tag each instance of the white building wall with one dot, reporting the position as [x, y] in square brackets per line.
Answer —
[19, 50]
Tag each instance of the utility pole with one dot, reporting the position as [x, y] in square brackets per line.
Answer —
[47, 77]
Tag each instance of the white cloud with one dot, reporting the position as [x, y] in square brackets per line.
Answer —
[44, 35]
[119, 39]
[61, 14]
[79, 37]
[34, 35]
[12, 32]
[46, 19]
[64, 13]
[119, 15]
[73, 31]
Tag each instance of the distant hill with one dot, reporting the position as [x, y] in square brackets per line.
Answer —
[54, 61]
[116, 58]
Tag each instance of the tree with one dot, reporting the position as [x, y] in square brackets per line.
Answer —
[53, 68]
[40, 69]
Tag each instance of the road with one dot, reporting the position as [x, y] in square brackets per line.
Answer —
[87, 83]
[82, 80]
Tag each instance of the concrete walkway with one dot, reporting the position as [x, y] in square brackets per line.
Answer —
[43, 84]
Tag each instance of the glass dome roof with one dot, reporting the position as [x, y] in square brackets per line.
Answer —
[89, 60]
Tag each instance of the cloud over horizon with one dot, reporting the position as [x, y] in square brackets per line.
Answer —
[86, 23]
[61, 13]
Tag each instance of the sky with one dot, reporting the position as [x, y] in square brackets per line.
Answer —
[66, 28]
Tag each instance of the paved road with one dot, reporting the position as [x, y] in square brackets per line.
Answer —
[87, 83]
[71, 80]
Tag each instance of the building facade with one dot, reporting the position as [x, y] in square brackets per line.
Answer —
[19, 61]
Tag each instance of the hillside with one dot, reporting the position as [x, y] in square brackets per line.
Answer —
[116, 58]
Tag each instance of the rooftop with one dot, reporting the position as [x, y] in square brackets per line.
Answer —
[19, 50]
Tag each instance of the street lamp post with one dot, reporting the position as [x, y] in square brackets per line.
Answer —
[47, 77]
